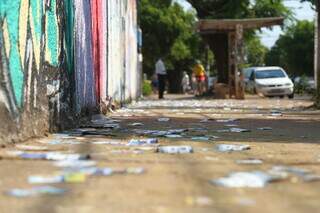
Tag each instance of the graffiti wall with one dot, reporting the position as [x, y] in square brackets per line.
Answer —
[131, 51]
[123, 79]
[99, 42]
[61, 58]
[29, 42]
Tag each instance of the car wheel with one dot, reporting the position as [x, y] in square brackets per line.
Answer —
[291, 96]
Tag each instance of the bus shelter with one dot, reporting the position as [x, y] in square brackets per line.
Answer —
[226, 39]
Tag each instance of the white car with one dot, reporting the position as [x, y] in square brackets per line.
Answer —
[271, 81]
[246, 72]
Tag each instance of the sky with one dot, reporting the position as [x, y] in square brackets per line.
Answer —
[302, 11]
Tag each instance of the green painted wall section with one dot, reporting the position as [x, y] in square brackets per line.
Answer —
[69, 40]
[52, 33]
[10, 16]
[36, 11]
[9, 11]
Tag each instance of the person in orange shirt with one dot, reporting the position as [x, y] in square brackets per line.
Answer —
[200, 74]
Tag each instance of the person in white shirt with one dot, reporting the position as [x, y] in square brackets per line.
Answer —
[185, 82]
[161, 72]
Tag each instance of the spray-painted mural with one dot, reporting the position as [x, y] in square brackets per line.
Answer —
[29, 41]
[66, 54]
[99, 42]
[26, 46]
[124, 78]
[84, 66]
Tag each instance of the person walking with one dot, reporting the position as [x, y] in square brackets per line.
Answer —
[161, 72]
[185, 82]
[200, 74]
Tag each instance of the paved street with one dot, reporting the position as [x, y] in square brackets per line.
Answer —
[143, 180]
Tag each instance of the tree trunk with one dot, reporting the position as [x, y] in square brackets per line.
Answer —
[219, 45]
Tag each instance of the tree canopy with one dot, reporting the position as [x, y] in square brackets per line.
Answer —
[255, 52]
[228, 9]
[294, 49]
[168, 32]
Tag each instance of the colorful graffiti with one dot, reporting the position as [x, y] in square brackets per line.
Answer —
[99, 39]
[68, 55]
[9, 15]
[26, 45]
[84, 68]
[123, 75]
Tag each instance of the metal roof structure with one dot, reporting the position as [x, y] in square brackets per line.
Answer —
[208, 26]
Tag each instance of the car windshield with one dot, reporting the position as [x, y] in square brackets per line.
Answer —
[270, 74]
[247, 73]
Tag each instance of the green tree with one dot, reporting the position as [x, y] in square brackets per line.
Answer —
[255, 52]
[168, 32]
[294, 50]
[230, 9]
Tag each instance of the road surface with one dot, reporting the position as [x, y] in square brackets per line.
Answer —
[180, 182]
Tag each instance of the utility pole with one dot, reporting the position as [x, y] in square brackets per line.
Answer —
[317, 53]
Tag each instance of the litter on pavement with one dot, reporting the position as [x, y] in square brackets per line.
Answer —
[200, 138]
[276, 113]
[163, 119]
[100, 132]
[124, 151]
[109, 171]
[31, 148]
[239, 130]
[199, 201]
[62, 136]
[102, 119]
[227, 120]
[57, 156]
[234, 130]
[35, 191]
[173, 136]
[142, 142]
[136, 124]
[45, 180]
[176, 131]
[207, 120]
[74, 163]
[249, 161]
[74, 177]
[311, 178]
[223, 130]
[231, 125]
[58, 142]
[292, 170]
[255, 179]
[175, 149]
[157, 133]
[231, 147]
[198, 129]
[114, 143]
[264, 128]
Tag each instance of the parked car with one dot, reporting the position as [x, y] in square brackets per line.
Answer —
[246, 72]
[304, 84]
[270, 82]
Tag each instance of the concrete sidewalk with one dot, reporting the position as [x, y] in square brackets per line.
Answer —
[180, 182]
